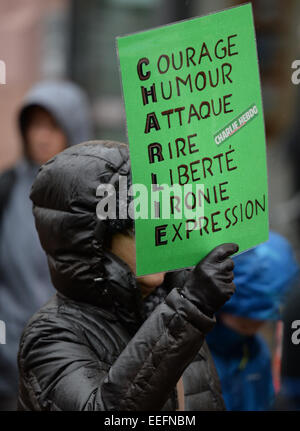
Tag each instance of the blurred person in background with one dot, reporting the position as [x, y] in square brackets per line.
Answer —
[263, 276]
[54, 115]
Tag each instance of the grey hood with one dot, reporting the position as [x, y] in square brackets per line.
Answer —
[25, 283]
[66, 102]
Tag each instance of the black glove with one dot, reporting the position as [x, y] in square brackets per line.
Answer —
[210, 284]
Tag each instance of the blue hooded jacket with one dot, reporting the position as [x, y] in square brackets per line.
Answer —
[263, 276]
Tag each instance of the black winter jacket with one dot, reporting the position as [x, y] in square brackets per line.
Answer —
[97, 345]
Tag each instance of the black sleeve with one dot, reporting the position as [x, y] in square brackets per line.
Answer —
[67, 375]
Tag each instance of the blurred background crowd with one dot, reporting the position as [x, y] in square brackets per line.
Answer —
[75, 40]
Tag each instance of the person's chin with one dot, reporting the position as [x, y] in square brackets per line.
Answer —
[146, 290]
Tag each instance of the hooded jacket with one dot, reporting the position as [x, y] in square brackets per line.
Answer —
[97, 345]
[25, 283]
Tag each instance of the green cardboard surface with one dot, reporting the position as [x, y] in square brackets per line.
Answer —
[195, 117]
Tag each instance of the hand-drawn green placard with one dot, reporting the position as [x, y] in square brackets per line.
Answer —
[194, 116]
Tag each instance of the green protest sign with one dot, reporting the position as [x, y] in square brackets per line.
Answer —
[196, 131]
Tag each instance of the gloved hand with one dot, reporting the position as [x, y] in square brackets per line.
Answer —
[210, 284]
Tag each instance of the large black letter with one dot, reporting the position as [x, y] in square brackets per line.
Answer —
[151, 122]
[146, 93]
[158, 152]
[143, 76]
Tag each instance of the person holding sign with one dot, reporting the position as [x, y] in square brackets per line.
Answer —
[109, 341]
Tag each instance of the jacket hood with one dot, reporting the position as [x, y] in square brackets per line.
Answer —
[64, 206]
[66, 102]
[263, 276]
